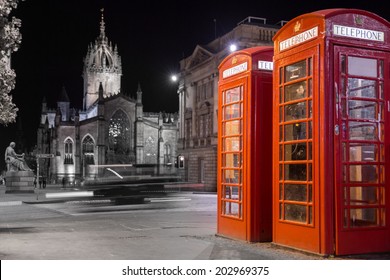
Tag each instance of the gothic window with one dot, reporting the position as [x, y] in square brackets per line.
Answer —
[167, 153]
[119, 134]
[88, 150]
[150, 150]
[68, 151]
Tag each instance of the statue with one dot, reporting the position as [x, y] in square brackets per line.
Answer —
[14, 161]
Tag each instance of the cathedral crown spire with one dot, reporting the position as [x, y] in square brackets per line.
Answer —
[102, 26]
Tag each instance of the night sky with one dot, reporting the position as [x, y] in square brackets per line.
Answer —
[152, 37]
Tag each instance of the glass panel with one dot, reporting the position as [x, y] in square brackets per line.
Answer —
[232, 95]
[295, 111]
[310, 215]
[361, 66]
[363, 173]
[232, 127]
[295, 91]
[280, 210]
[231, 208]
[363, 131]
[342, 64]
[232, 144]
[364, 195]
[295, 151]
[231, 176]
[294, 212]
[295, 172]
[361, 88]
[310, 195]
[364, 217]
[231, 160]
[295, 192]
[296, 131]
[358, 109]
[231, 111]
[295, 71]
[280, 191]
[363, 152]
[232, 192]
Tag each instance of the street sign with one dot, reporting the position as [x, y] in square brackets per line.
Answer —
[45, 155]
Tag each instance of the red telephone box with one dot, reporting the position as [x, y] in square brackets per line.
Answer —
[245, 145]
[331, 153]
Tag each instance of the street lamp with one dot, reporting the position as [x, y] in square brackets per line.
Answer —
[174, 78]
[233, 47]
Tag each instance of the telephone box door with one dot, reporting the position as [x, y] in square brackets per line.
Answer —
[232, 195]
[361, 150]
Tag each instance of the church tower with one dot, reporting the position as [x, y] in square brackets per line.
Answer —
[102, 64]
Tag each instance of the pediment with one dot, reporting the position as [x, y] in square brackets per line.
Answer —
[199, 55]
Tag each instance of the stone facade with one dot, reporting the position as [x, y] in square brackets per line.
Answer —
[198, 97]
[111, 128]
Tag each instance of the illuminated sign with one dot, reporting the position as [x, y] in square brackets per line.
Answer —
[265, 65]
[299, 39]
[235, 70]
[358, 33]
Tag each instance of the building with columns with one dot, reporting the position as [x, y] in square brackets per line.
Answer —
[111, 128]
[198, 97]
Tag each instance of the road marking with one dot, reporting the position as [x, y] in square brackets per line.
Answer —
[10, 203]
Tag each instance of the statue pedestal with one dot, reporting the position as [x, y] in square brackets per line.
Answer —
[19, 182]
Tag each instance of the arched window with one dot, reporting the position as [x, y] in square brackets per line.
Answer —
[88, 147]
[68, 155]
[119, 138]
[167, 154]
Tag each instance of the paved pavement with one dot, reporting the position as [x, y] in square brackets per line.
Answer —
[47, 233]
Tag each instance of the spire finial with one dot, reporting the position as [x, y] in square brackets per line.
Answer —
[102, 25]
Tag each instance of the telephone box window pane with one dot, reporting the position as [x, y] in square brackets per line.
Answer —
[296, 131]
[280, 133]
[310, 215]
[280, 191]
[231, 160]
[310, 157]
[362, 131]
[364, 217]
[295, 172]
[232, 209]
[232, 111]
[233, 95]
[295, 212]
[295, 151]
[295, 71]
[231, 176]
[233, 193]
[310, 89]
[295, 192]
[361, 66]
[343, 64]
[232, 144]
[295, 91]
[310, 195]
[295, 111]
[358, 109]
[362, 88]
[381, 69]
[232, 128]
[280, 152]
[363, 173]
[381, 90]
[363, 152]
[364, 195]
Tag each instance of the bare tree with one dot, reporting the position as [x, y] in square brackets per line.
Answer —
[10, 39]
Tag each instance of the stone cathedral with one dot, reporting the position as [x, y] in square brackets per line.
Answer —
[111, 128]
